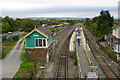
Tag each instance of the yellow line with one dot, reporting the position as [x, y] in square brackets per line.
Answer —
[78, 58]
[81, 75]
[80, 67]
[88, 56]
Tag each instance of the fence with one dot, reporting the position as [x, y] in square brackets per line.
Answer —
[15, 38]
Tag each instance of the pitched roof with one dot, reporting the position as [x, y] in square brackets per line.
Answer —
[43, 31]
[117, 25]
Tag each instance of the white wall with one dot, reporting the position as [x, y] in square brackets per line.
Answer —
[116, 32]
[116, 48]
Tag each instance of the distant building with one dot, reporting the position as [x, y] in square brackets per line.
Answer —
[66, 24]
[52, 26]
[51, 19]
[44, 25]
[38, 44]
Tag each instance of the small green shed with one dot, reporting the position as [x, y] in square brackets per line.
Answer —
[38, 44]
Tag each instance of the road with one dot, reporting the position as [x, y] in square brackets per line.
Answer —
[10, 64]
[13, 33]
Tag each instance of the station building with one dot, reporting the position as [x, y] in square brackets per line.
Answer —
[38, 44]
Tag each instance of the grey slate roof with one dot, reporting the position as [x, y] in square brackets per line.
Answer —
[117, 25]
[45, 31]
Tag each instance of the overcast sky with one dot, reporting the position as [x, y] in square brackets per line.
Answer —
[57, 8]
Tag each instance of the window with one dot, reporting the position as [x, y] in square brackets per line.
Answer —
[115, 46]
[118, 47]
[44, 42]
[40, 42]
[36, 42]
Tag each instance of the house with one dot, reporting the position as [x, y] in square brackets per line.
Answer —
[44, 25]
[66, 24]
[38, 44]
[115, 39]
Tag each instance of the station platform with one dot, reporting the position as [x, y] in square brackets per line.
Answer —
[83, 63]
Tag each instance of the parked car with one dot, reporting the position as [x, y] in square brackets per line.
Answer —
[9, 33]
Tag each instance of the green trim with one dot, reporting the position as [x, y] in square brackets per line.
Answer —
[29, 52]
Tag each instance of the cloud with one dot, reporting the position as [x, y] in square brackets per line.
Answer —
[53, 10]
[24, 8]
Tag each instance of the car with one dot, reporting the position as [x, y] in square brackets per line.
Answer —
[9, 33]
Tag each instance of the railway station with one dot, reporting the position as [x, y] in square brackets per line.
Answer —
[40, 40]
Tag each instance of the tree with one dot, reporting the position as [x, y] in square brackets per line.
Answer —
[101, 25]
[105, 22]
[5, 27]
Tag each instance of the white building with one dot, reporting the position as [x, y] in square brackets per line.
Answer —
[116, 33]
[116, 39]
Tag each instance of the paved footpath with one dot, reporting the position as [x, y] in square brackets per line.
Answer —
[83, 62]
[10, 64]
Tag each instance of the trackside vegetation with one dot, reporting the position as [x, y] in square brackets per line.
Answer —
[26, 67]
[73, 55]
[101, 25]
[110, 53]
[8, 45]
[10, 25]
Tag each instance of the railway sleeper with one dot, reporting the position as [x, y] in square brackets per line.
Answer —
[62, 75]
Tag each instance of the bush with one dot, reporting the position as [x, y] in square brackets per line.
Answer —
[73, 55]
[75, 61]
[9, 39]
[111, 53]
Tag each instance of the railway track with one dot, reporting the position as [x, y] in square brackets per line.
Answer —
[60, 59]
[62, 66]
[102, 59]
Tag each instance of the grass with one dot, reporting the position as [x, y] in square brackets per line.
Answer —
[9, 45]
[21, 36]
[24, 49]
[73, 55]
[26, 68]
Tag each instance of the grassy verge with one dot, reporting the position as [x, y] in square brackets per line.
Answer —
[26, 68]
[21, 36]
[73, 55]
[9, 45]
